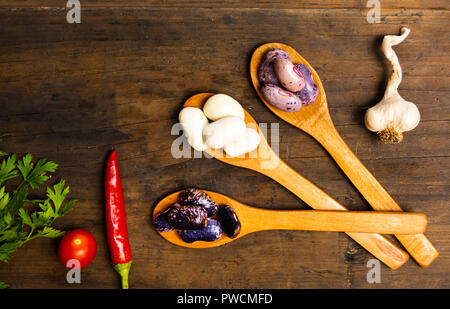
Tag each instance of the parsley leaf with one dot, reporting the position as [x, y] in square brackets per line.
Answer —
[35, 175]
[23, 219]
[4, 198]
[8, 169]
[50, 232]
[50, 210]
[7, 248]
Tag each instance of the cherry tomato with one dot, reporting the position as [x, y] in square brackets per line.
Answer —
[77, 244]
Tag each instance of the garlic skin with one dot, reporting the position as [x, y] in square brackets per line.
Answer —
[393, 115]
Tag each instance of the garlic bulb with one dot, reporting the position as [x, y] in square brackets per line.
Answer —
[392, 115]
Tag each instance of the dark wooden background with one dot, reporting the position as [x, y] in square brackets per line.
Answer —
[70, 92]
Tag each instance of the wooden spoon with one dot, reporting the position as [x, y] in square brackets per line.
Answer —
[256, 219]
[264, 160]
[316, 121]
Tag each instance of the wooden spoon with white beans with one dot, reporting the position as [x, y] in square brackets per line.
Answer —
[265, 161]
[256, 219]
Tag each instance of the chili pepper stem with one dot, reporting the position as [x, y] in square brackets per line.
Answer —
[123, 270]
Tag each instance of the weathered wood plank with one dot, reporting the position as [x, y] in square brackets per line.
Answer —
[292, 4]
[71, 92]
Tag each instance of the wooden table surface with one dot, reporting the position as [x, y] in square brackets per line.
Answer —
[72, 92]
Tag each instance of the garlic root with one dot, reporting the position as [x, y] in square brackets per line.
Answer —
[393, 115]
[391, 135]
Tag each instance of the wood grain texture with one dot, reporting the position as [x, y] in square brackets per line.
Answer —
[70, 92]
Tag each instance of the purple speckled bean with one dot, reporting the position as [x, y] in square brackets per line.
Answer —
[308, 94]
[280, 98]
[266, 73]
[162, 220]
[211, 232]
[187, 217]
[193, 196]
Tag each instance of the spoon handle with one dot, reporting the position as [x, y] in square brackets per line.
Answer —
[378, 245]
[420, 248]
[342, 221]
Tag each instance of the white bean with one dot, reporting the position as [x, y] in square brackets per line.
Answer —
[194, 121]
[247, 143]
[222, 105]
[224, 131]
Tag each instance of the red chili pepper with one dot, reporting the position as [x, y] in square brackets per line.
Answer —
[116, 221]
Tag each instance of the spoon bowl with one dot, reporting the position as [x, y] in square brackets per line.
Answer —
[253, 160]
[256, 219]
[307, 116]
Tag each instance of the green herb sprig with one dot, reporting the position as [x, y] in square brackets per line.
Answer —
[23, 219]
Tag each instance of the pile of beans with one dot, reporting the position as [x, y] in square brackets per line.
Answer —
[285, 85]
[227, 131]
[198, 217]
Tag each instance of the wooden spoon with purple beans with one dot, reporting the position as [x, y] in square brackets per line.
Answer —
[246, 219]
